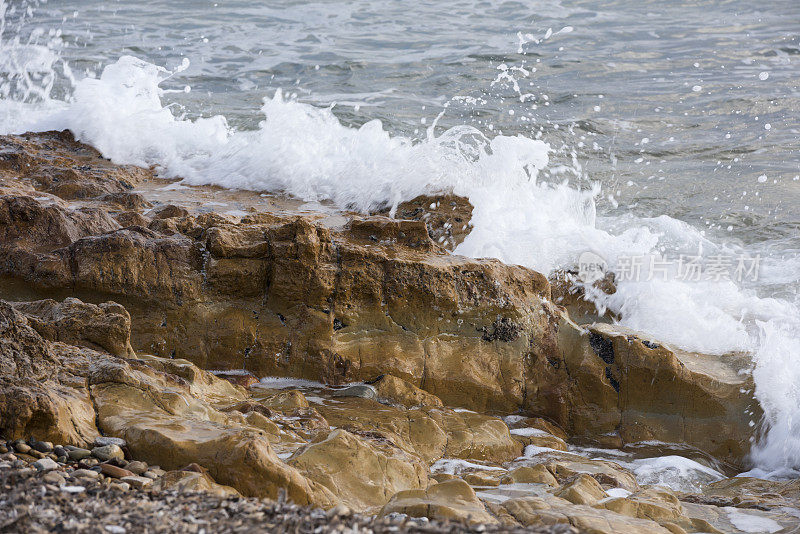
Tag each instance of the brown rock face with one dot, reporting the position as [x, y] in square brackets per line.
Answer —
[105, 327]
[36, 393]
[173, 414]
[446, 217]
[35, 224]
[362, 475]
[330, 298]
[616, 383]
[281, 294]
[169, 289]
[53, 162]
[396, 390]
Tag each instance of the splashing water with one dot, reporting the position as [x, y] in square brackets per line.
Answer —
[518, 217]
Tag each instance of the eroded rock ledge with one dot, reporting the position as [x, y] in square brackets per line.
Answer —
[123, 291]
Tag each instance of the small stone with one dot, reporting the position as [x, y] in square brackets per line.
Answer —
[139, 483]
[59, 450]
[364, 391]
[3, 449]
[73, 489]
[79, 454]
[123, 486]
[37, 454]
[62, 459]
[137, 468]
[42, 446]
[195, 468]
[88, 463]
[338, 511]
[155, 472]
[102, 441]
[54, 478]
[85, 473]
[107, 452]
[45, 464]
[5, 465]
[150, 474]
[115, 472]
[22, 447]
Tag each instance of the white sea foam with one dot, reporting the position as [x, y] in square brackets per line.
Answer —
[518, 217]
[528, 432]
[750, 522]
[455, 466]
[278, 382]
[675, 472]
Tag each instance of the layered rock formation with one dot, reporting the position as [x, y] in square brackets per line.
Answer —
[172, 286]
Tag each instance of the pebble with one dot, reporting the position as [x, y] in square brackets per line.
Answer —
[102, 441]
[22, 447]
[88, 463]
[42, 446]
[60, 451]
[79, 454]
[3, 449]
[73, 489]
[37, 454]
[54, 478]
[45, 464]
[138, 482]
[339, 510]
[114, 471]
[107, 452]
[137, 468]
[5, 465]
[85, 473]
[123, 486]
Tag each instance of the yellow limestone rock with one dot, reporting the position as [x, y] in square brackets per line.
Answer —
[451, 500]
[535, 474]
[582, 489]
[398, 391]
[192, 481]
[362, 473]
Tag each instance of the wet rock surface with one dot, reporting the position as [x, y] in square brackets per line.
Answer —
[157, 341]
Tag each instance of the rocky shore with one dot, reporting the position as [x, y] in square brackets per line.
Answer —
[32, 504]
[221, 360]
